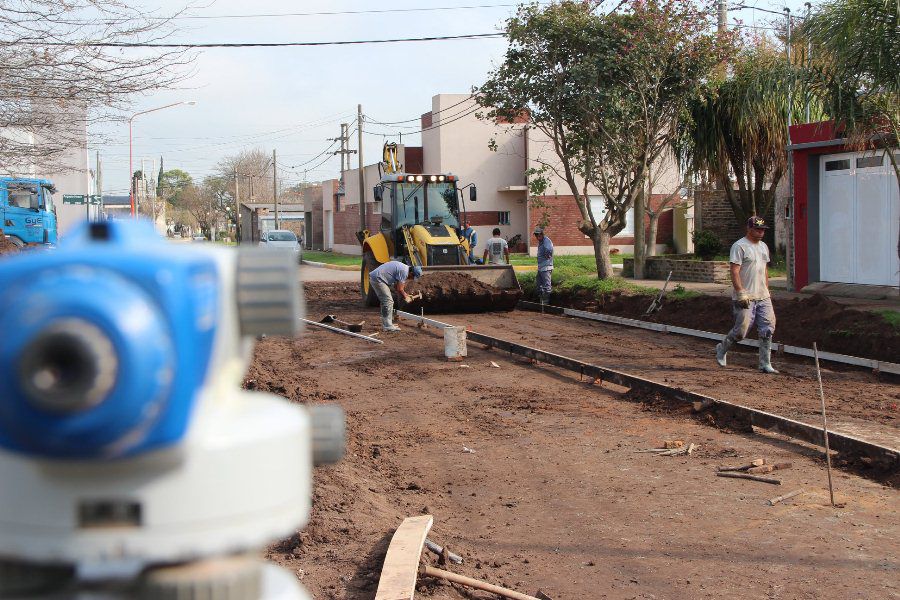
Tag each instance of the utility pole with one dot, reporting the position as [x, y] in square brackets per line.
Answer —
[98, 179]
[362, 170]
[143, 185]
[237, 208]
[345, 150]
[723, 16]
[808, 54]
[789, 217]
[275, 187]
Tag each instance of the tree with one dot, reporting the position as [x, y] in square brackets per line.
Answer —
[206, 204]
[607, 90]
[254, 170]
[171, 184]
[60, 76]
[676, 198]
[856, 72]
[738, 127]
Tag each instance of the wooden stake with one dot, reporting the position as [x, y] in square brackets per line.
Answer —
[747, 476]
[473, 583]
[824, 424]
[778, 499]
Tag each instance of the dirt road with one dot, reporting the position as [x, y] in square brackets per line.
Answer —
[555, 495]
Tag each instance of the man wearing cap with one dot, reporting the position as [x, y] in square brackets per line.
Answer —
[545, 264]
[751, 302]
[382, 278]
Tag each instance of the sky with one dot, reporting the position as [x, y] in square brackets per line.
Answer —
[294, 99]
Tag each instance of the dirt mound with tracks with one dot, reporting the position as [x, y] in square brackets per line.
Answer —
[459, 293]
[800, 321]
[6, 246]
[491, 447]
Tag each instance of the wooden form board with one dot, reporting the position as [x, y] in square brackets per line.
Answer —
[877, 365]
[886, 457]
[401, 563]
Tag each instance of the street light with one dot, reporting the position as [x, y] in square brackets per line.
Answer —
[130, 145]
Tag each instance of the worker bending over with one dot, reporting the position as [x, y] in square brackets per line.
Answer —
[496, 251]
[751, 301]
[382, 278]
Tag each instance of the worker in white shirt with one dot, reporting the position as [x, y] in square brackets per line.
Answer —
[496, 251]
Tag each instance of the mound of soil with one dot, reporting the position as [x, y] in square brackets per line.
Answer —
[6, 246]
[800, 321]
[459, 293]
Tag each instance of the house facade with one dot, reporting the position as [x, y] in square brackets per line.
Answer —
[846, 211]
[455, 141]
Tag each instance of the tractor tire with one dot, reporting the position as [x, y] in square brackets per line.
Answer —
[366, 291]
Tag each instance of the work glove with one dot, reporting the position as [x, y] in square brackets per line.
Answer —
[743, 300]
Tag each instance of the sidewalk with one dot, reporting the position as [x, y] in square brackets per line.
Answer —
[777, 287]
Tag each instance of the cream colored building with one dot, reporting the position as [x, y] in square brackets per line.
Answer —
[496, 158]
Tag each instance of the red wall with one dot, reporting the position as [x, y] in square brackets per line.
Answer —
[564, 218]
[804, 134]
[346, 223]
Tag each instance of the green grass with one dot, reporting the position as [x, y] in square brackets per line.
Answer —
[332, 258]
[582, 262]
[892, 317]
[571, 283]
[600, 287]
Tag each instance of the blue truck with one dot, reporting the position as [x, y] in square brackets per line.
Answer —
[27, 212]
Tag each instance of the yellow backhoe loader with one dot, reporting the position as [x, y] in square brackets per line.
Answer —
[420, 219]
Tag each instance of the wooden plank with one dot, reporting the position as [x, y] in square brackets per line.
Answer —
[420, 319]
[869, 363]
[401, 563]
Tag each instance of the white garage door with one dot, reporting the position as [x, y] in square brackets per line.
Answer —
[859, 219]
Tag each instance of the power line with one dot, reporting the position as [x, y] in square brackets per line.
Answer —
[780, 13]
[460, 115]
[345, 12]
[466, 99]
[472, 36]
[314, 158]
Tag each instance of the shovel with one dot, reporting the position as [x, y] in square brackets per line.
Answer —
[354, 327]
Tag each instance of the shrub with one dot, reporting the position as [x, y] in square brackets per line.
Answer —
[706, 244]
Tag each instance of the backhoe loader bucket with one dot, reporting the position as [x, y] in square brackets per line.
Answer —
[465, 289]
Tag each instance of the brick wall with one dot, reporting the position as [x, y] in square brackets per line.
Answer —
[346, 223]
[563, 218]
[715, 215]
[658, 267]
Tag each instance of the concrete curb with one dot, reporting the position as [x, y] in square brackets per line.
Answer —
[321, 265]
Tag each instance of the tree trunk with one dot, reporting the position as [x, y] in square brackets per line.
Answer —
[601, 254]
[651, 237]
[639, 238]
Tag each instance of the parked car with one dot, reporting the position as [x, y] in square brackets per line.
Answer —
[282, 238]
[199, 238]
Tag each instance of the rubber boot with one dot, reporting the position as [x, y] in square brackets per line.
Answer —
[387, 319]
[765, 356]
[545, 297]
[722, 349]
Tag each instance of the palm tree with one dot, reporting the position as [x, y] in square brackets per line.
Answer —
[738, 129]
[856, 73]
